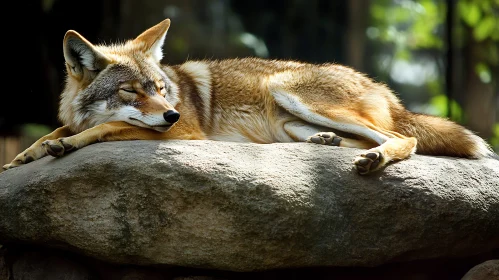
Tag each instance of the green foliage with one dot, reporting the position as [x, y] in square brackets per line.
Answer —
[413, 27]
[35, 130]
[440, 103]
[483, 71]
[481, 16]
[470, 12]
[409, 25]
[494, 141]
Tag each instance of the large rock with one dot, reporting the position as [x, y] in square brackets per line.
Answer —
[488, 270]
[246, 207]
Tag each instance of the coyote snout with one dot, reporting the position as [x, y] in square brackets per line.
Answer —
[171, 116]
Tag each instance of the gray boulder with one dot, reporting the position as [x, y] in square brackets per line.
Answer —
[246, 207]
[488, 270]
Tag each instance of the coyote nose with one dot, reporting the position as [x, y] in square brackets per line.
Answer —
[171, 116]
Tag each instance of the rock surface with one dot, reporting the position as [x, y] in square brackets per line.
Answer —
[488, 270]
[246, 207]
[41, 263]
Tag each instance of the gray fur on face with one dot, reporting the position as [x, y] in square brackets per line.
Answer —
[106, 85]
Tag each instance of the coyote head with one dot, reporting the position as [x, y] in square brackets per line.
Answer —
[120, 82]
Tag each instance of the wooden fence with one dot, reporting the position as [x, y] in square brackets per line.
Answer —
[10, 146]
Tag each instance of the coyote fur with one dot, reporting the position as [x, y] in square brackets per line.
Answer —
[123, 92]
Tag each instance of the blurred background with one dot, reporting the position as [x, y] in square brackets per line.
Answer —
[440, 57]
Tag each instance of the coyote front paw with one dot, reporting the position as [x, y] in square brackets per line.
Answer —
[325, 138]
[369, 162]
[57, 148]
[27, 156]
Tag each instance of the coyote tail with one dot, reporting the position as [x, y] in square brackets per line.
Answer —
[439, 136]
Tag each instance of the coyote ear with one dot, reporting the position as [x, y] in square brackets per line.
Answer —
[79, 53]
[153, 38]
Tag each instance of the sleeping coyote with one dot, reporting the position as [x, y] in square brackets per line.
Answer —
[123, 92]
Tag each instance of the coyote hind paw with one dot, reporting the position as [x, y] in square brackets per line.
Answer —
[369, 162]
[57, 148]
[325, 138]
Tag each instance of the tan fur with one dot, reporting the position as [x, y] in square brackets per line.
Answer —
[121, 92]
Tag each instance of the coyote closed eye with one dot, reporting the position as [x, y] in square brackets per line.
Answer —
[123, 92]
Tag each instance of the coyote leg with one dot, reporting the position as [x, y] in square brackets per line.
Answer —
[112, 131]
[368, 115]
[331, 139]
[376, 157]
[393, 149]
[36, 150]
[397, 147]
[300, 131]
[392, 145]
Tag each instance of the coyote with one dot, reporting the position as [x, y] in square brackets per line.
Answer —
[123, 92]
